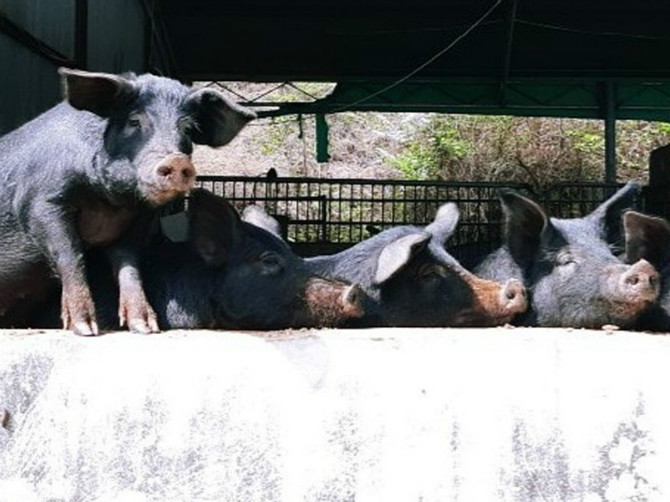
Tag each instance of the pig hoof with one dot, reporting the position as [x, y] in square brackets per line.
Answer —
[85, 329]
[143, 327]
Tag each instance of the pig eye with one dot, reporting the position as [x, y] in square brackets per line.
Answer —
[565, 259]
[272, 263]
[134, 122]
[432, 273]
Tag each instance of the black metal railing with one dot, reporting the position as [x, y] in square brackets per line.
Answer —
[323, 215]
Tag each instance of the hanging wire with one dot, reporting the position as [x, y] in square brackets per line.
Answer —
[423, 65]
[590, 32]
[430, 60]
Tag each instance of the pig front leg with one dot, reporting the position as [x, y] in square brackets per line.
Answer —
[134, 308]
[55, 231]
[135, 311]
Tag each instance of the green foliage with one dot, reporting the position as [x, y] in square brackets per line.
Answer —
[437, 145]
[531, 150]
[587, 142]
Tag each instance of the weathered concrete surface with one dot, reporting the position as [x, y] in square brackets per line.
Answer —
[370, 415]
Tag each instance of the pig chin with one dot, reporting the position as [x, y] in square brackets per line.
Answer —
[624, 311]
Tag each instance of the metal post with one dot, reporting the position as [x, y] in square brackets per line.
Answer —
[610, 133]
[322, 154]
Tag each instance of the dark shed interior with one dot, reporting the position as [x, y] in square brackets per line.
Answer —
[596, 59]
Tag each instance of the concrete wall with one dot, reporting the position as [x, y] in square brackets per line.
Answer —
[116, 42]
[432, 415]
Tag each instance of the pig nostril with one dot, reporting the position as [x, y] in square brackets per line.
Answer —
[633, 280]
[514, 290]
[353, 296]
[165, 171]
[188, 173]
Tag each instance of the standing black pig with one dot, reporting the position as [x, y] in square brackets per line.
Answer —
[85, 173]
[410, 280]
[229, 274]
[648, 238]
[568, 266]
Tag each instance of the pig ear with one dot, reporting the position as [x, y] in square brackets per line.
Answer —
[647, 237]
[213, 227]
[397, 254]
[257, 216]
[99, 93]
[608, 214]
[524, 223]
[218, 120]
[445, 222]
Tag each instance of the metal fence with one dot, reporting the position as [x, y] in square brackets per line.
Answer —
[325, 215]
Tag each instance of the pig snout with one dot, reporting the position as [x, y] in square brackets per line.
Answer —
[177, 171]
[171, 177]
[495, 303]
[513, 298]
[641, 281]
[627, 291]
[331, 303]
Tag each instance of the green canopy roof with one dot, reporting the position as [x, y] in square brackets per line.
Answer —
[644, 100]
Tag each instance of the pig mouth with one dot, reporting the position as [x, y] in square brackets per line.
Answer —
[623, 312]
[156, 194]
[173, 176]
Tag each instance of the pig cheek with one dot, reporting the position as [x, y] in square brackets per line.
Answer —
[454, 305]
[546, 303]
[569, 296]
[258, 300]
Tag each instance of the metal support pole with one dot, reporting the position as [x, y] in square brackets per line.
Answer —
[610, 133]
[322, 154]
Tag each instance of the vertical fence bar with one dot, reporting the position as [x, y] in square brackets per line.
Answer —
[610, 132]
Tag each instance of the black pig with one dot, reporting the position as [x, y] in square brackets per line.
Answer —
[85, 173]
[410, 280]
[229, 274]
[648, 238]
[568, 266]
